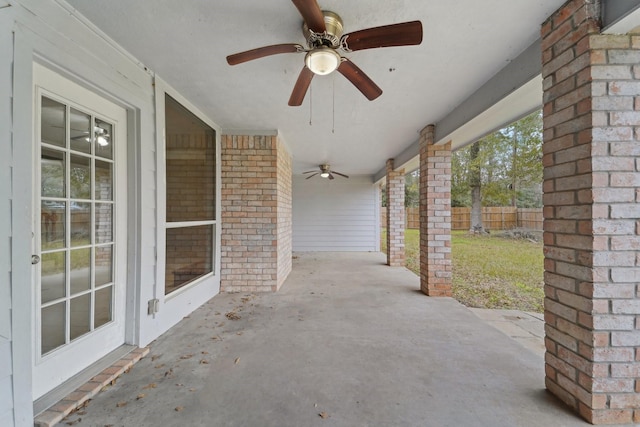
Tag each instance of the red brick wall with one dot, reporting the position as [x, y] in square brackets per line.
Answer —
[256, 200]
[435, 215]
[592, 233]
[395, 216]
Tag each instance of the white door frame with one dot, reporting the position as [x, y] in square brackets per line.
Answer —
[52, 369]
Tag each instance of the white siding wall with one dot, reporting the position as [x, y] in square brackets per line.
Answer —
[6, 365]
[337, 215]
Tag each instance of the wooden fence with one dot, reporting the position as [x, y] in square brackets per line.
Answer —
[500, 218]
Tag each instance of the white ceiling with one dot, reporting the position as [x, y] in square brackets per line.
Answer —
[466, 42]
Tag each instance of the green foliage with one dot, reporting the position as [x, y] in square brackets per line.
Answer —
[411, 190]
[510, 165]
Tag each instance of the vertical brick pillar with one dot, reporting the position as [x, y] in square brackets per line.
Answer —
[256, 213]
[591, 208]
[395, 216]
[284, 228]
[435, 215]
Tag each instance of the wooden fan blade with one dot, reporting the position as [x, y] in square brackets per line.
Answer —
[341, 174]
[311, 176]
[304, 173]
[300, 89]
[404, 34]
[312, 14]
[359, 79]
[331, 176]
[249, 55]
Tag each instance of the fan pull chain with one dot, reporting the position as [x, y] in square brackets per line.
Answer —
[333, 123]
[310, 104]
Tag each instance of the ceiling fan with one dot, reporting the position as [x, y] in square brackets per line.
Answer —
[324, 34]
[324, 172]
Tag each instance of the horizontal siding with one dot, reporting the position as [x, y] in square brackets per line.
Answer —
[337, 215]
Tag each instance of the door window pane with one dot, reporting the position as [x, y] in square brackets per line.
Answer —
[80, 316]
[104, 139]
[53, 276]
[104, 180]
[80, 224]
[53, 327]
[80, 132]
[80, 177]
[103, 306]
[52, 224]
[52, 173]
[104, 265]
[53, 122]
[80, 270]
[104, 222]
[190, 164]
[189, 255]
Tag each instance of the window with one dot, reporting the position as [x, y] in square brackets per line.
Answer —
[190, 197]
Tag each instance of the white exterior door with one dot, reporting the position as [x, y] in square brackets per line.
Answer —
[80, 226]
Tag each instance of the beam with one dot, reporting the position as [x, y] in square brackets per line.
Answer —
[620, 16]
[524, 68]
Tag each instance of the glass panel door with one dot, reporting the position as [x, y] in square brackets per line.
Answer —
[77, 221]
[80, 227]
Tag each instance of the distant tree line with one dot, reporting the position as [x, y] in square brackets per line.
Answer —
[505, 167]
[501, 169]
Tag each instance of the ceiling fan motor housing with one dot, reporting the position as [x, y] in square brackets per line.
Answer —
[331, 37]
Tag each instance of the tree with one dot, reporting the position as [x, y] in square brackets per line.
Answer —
[412, 190]
[475, 183]
[509, 164]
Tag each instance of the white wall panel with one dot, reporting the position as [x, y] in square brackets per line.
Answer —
[6, 396]
[335, 215]
[6, 363]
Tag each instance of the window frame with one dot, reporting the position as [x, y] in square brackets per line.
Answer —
[209, 282]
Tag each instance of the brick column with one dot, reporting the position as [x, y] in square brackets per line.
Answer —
[435, 215]
[395, 216]
[592, 205]
[256, 213]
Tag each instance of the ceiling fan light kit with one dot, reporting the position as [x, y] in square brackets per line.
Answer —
[323, 31]
[322, 61]
[324, 172]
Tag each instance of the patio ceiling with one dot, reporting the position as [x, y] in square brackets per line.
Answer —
[466, 43]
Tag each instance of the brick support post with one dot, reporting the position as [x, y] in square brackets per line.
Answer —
[256, 214]
[591, 207]
[435, 215]
[395, 216]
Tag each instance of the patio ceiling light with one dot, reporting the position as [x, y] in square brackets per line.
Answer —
[324, 175]
[322, 60]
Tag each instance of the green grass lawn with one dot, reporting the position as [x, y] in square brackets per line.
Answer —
[489, 271]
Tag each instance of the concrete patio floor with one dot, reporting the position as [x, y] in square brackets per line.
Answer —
[347, 341]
